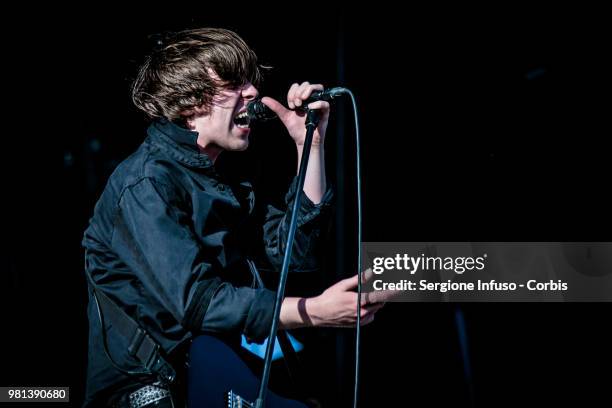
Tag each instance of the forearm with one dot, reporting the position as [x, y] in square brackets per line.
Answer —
[315, 183]
[234, 309]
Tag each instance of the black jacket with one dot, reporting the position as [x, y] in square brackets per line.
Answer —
[169, 235]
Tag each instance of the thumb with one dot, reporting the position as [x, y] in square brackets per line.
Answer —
[275, 106]
[351, 283]
[348, 283]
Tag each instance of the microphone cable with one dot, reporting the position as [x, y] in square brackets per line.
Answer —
[359, 232]
[259, 111]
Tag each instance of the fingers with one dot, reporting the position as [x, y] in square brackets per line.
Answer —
[368, 319]
[367, 303]
[275, 105]
[377, 297]
[367, 275]
[300, 92]
[291, 95]
[370, 309]
[368, 313]
[322, 105]
[307, 89]
[351, 283]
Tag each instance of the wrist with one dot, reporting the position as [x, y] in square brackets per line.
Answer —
[311, 311]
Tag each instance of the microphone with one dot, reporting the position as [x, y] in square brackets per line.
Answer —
[257, 111]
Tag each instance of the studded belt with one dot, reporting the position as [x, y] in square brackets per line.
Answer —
[146, 395]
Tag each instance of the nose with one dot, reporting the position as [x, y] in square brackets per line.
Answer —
[249, 92]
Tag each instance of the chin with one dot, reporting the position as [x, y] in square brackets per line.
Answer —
[240, 146]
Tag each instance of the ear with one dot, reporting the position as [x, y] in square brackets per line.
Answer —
[190, 116]
[190, 122]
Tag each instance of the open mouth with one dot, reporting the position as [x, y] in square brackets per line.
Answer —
[242, 120]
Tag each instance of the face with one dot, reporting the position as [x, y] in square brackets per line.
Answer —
[221, 127]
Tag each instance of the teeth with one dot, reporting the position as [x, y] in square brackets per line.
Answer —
[242, 120]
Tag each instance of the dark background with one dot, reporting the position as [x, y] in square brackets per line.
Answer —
[477, 124]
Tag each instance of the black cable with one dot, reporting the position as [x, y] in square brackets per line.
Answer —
[103, 330]
[105, 345]
[359, 272]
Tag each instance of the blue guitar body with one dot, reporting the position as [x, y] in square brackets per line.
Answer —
[219, 378]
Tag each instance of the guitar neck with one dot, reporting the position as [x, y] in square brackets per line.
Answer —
[236, 401]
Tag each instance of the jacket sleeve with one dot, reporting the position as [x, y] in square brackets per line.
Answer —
[312, 218]
[152, 235]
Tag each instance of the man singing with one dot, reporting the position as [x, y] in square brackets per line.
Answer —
[171, 240]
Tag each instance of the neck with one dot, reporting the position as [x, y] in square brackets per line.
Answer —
[210, 149]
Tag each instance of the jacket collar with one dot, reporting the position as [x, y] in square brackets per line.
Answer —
[179, 142]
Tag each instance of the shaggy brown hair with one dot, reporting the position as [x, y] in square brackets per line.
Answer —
[189, 69]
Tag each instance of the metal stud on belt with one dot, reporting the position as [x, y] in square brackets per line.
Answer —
[147, 395]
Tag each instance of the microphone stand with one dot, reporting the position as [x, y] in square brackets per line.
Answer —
[312, 119]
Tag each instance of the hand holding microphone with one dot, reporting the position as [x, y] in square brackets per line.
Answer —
[258, 111]
[299, 97]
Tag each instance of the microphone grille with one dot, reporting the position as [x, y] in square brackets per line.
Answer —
[258, 111]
